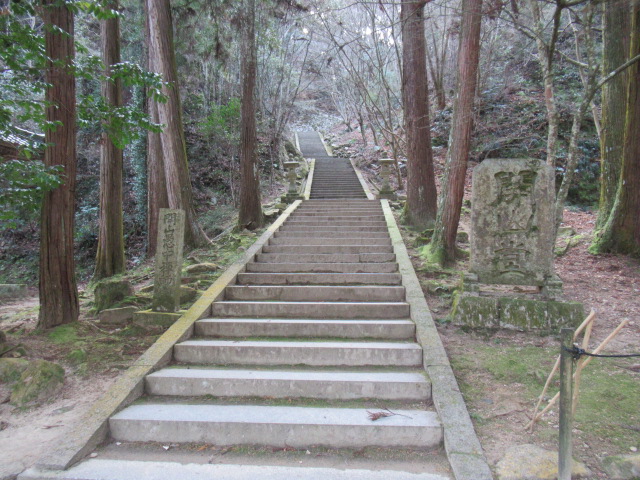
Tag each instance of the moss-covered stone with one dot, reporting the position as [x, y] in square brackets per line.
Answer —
[475, 312]
[11, 369]
[516, 313]
[622, 467]
[206, 267]
[564, 314]
[109, 292]
[523, 314]
[39, 382]
[187, 294]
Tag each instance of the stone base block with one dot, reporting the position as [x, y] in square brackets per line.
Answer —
[515, 313]
[162, 319]
[388, 195]
[290, 198]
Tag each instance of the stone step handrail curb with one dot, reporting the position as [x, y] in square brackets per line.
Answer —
[93, 427]
[461, 443]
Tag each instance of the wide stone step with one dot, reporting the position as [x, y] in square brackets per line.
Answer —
[319, 279]
[330, 234]
[315, 293]
[335, 223]
[325, 257]
[308, 213]
[329, 310]
[316, 230]
[303, 328]
[344, 248]
[297, 427]
[337, 195]
[341, 219]
[350, 354]
[386, 267]
[332, 385]
[104, 469]
[330, 241]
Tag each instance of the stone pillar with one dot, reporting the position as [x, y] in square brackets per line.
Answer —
[168, 262]
[292, 194]
[386, 191]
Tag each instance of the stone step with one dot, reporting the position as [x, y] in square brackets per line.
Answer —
[111, 469]
[315, 293]
[340, 219]
[319, 279]
[335, 223]
[186, 382]
[331, 234]
[311, 310]
[297, 427]
[325, 258]
[325, 354]
[336, 213]
[313, 230]
[337, 195]
[329, 241]
[301, 328]
[387, 267]
[344, 248]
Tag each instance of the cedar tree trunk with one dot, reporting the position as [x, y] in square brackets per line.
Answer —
[250, 215]
[621, 234]
[615, 39]
[176, 169]
[58, 289]
[420, 209]
[443, 242]
[110, 256]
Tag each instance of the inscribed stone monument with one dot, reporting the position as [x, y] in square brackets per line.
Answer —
[512, 221]
[166, 287]
[512, 239]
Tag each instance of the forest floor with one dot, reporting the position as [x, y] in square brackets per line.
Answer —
[500, 372]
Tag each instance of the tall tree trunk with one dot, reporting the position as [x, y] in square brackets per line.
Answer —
[420, 209]
[615, 37]
[110, 256]
[250, 215]
[176, 169]
[443, 242]
[58, 289]
[156, 183]
[621, 233]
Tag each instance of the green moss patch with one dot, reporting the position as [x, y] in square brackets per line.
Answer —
[39, 382]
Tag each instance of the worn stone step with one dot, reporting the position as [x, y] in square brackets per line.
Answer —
[297, 427]
[381, 267]
[110, 469]
[311, 310]
[336, 213]
[316, 293]
[319, 279]
[331, 234]
[304, 328]
[311, 230]
[344, 248]
[185, 382]
[350, 354]
[330, 241]
[338, 219]
[325, 257]
[336, 223]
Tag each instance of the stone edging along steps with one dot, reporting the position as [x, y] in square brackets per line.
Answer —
[328, 274]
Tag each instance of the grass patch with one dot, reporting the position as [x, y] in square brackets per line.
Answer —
[64, 334]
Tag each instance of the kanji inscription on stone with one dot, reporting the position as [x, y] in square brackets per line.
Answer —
[512, 222]
[166, 287]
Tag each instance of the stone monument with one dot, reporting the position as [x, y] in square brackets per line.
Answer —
[292, 193]
[512, 240]
[168, 265]
[385, 167]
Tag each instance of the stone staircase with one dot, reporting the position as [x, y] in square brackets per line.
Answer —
[313, 337]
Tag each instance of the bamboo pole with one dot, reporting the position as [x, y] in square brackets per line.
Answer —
[579, 368]
[588, 322]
